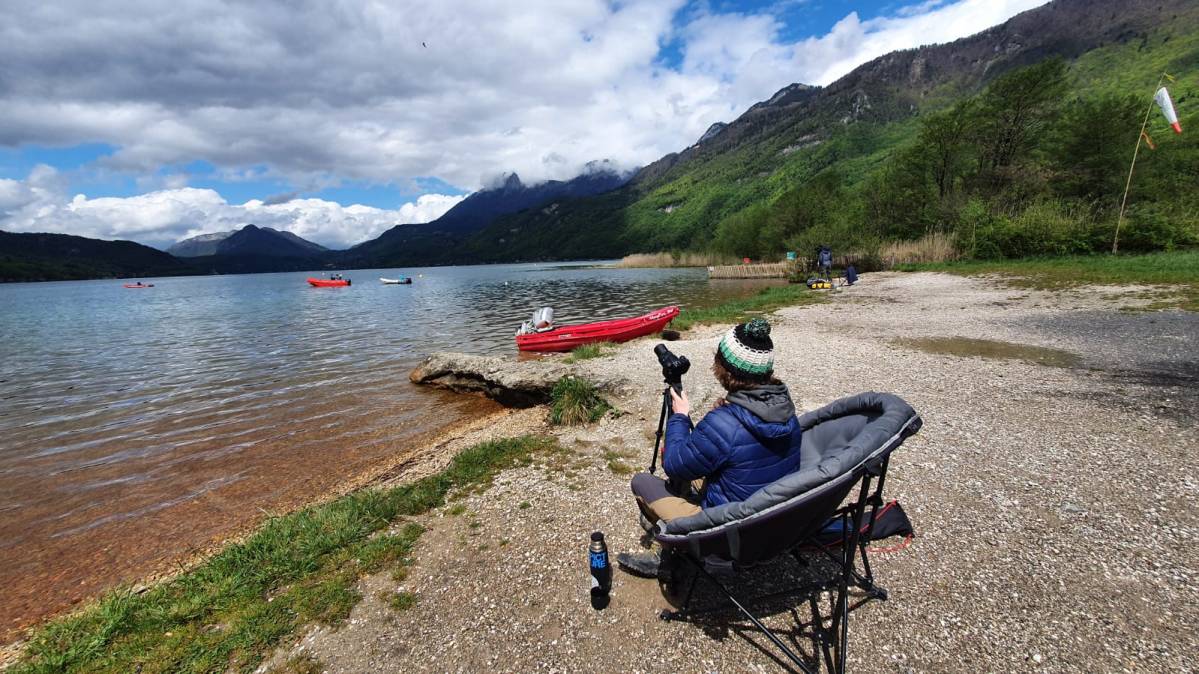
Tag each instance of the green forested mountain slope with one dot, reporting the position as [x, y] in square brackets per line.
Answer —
[755, 187]
[62, 257]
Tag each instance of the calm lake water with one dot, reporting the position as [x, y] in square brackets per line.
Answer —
[140, 426]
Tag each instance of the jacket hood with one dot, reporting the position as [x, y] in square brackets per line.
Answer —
[770, 407]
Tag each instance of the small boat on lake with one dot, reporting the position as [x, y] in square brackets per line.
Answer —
[403, 280]
[328, 282]
[542, 335]
[139, 284]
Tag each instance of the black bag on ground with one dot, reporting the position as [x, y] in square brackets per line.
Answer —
[890, 521]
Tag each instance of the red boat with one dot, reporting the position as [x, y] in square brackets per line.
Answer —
[567, 337]
[328, 283]
[139, 285]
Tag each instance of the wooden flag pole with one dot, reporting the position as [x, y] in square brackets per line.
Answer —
[1131, 167]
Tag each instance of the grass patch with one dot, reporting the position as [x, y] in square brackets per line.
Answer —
[230, 612]
[525, 505]
[616, 464]
[575, 401]
[455, 510]
[1179, 269]
[589, 351]
[298, 664]
[401, 601]
[740, 310]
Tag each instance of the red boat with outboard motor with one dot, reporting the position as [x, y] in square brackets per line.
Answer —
[328, 282]
[540, 334]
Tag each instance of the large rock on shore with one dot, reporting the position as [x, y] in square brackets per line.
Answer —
[511, 383]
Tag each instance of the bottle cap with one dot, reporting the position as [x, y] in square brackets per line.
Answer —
[597, 536]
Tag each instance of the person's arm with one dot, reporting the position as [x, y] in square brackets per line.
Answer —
[691, 454]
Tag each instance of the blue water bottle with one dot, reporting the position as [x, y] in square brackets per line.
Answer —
[601, 571]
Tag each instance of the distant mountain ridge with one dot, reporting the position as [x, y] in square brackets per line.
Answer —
[196, 246]
[437, 242]
[250, 240]
[482, 208]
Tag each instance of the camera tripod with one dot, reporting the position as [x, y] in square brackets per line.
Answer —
[662, 416]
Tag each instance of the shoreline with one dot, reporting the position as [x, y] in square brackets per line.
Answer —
[817, 370]
[424, 452]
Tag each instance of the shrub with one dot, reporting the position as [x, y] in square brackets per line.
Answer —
[1047, 227]
[1150, 227]
[575, 401]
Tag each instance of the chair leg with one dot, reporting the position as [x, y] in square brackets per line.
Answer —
[822, 635]
[791, 655]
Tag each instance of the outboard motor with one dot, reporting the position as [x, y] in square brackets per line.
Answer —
[543, 320]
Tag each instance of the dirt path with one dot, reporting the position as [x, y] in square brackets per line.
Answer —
[1054, 504]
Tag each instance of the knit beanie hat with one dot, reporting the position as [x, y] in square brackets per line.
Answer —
[747, 352]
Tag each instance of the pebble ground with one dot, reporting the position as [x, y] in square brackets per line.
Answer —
[1055, 506]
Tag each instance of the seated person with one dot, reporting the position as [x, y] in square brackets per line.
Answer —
[750, 439]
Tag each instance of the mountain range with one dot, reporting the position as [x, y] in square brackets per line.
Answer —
[852, 126]
[249, 240]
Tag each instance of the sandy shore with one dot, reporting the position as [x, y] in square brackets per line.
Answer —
[1054, 502]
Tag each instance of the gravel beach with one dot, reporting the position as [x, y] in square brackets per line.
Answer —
[1052, 488]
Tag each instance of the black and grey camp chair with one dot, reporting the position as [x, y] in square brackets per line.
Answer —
[846, 444]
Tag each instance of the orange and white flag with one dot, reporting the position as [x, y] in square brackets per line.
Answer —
[1163, 101]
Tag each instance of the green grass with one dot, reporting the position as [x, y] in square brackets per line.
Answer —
[589, 351]
[1179, 270]
[230, 612]
[616, 464]
[740, 310]
[575, 401]
[298, 664]
[401, 601]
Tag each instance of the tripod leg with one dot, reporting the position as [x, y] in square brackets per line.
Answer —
[662, 416]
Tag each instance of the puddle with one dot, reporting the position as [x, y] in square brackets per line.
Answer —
[986, 348]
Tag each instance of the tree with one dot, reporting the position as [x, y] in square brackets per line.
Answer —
[817, 202]
[900, 198]
[946, 142]
[1093, 145]
[1013, 111]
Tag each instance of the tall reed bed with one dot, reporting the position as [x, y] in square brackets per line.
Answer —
[934, 247]
[675, 259]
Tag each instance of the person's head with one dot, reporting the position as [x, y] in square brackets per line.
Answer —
[745, 357]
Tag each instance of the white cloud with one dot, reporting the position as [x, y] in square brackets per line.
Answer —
[319, 92]
[165, 216]
[853, 42]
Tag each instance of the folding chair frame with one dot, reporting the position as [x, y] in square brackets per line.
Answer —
[831, 632]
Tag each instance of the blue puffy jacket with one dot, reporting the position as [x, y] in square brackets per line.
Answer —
[737, 450]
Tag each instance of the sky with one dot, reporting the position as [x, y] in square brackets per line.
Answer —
[153, 121]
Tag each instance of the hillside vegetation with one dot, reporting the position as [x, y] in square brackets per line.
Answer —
[62, 257]
[1012, 142]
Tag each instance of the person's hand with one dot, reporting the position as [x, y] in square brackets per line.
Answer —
[679, 403]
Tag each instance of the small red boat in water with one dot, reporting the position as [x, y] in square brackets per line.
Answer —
[328, 283]
[567, 337]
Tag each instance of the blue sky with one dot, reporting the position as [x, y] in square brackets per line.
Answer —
[120, 124]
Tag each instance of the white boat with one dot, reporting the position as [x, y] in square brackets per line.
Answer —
[395, 281]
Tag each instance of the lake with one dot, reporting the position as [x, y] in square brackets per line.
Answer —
[140, 427]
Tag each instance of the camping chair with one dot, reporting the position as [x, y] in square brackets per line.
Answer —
[846, 444]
